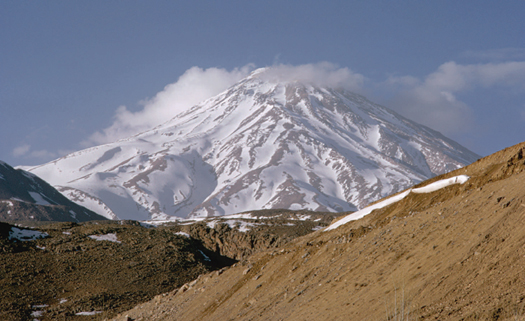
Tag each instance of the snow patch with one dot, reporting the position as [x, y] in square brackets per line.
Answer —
[73, 214]
[39, 199]
[36, 314]
[206, 258]
[461, 179]
[146, 225]
[26, 235]
[248, 216]
[9, 203]
[112, 237]
[183, 234]
[211, 224]
[88, 313]
[303, 217]
[242, 226]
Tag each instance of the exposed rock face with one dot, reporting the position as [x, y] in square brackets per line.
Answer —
[265, 234]
[452, 254]
[259, 145]
[26, 197]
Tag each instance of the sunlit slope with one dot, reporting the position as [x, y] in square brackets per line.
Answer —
[455, 253]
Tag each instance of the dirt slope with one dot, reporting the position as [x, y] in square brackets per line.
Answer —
[69, 272]
[454, 254]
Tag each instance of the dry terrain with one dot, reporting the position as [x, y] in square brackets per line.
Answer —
[453, 254]
[69, 272]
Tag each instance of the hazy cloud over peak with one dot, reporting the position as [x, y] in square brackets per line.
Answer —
[195, 85]
[323, 74]
[21, 150]
[433, 100]
[198, 84]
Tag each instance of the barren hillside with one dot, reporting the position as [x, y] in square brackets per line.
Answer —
[453, 254]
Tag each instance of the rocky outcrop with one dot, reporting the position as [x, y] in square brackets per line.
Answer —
[232, 243]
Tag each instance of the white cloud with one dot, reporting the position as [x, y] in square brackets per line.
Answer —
[198, 84]
[402, 82]
[21, 150]
[322, 74]
[433, 101]
[194, 86]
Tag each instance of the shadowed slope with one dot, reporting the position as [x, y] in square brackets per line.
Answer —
[26, 197]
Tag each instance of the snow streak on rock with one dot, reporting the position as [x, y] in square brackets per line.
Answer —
[258, 145]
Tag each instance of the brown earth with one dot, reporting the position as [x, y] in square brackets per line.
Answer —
[454, 254]
[92, 275]
[272, 228]
[68, 272]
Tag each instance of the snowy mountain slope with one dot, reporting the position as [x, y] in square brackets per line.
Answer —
[260, 144]
[24, 196]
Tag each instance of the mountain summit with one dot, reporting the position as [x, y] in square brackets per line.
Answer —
[263, 143]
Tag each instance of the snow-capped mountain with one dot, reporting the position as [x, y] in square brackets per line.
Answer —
[260, 144]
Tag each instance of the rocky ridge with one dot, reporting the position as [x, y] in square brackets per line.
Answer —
[26, 197]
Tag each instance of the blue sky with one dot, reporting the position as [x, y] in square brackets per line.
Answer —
[68, 67]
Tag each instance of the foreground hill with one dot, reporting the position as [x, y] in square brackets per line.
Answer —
[93, 270]
[26, 197]
[267, 142]
[453, 254]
